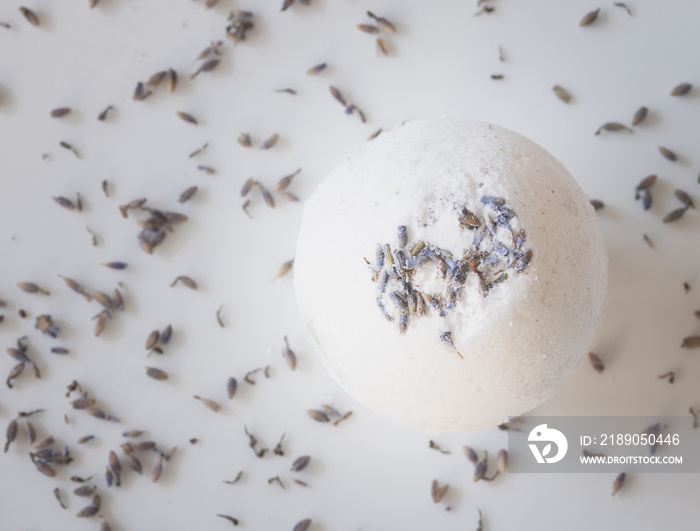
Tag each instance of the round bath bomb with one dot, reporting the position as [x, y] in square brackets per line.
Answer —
[451, 274]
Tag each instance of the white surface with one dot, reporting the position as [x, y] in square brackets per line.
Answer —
[368, 474]
[517, 344]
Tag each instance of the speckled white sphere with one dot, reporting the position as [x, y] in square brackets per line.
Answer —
[466, 332]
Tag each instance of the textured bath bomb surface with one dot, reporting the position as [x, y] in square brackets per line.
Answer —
[486, 302]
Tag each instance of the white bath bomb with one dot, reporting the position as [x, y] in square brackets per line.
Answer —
[486, 302]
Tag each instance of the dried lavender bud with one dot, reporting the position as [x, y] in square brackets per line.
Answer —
[174, 217]
[231, 387]
[383, 47]
[187, 194]
[206, 169]
[19, 355]
[561, 93]
[681, 90]
[30, 287]
[133, 462]
[502, 460]
[589, 18]
[157, 469]
[316, 69]
[90, 510]
[78, 479]
[300, 463]
[156, 79]
[670, 155]
[318, 416]
[437, 491]
[479, 471]
[156, 374]
[471, 454]
[596, 362]
[145, 445]
[85, 491]
[44, 443]
[247, 186]
[618, 483]
[613, 126]
[45, 325]
[368, 28]
[165, 335]
[674, 215]
[140, 92]
[114, 463]
[691, 342]
[209, 404]
[383, 23]
[597, 204]
[684, 198]
[85, 438]
[284, 269]
[270, 142]
[171, 80]
[284, 182]
[109, 477]
[44, 468]
[60, 112]
[208, 66]
[57, 495]
[116, 265]
[30, 16]
[186, 117]
[336, 94]
[244, 140]
[10, 434]
[185, 281]
[31, 433]
[639, 116]
[267, 197]
[646, 183]
[289, 355]
[303, 525]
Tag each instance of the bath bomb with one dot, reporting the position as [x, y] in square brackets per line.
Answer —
[451, 273]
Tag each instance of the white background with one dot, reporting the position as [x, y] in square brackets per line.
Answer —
[366, 473]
